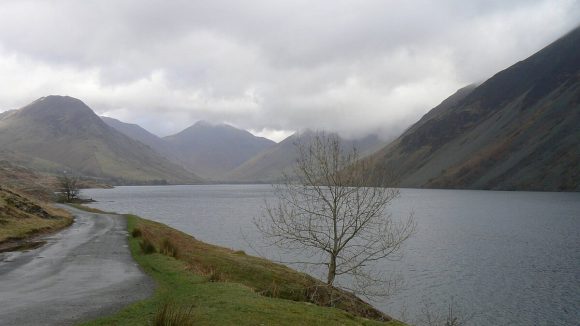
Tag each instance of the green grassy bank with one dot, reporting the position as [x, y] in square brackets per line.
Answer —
[210, 285]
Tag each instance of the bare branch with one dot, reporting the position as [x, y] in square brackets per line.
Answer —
[327, 207]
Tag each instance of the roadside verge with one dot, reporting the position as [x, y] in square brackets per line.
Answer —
[210, 285]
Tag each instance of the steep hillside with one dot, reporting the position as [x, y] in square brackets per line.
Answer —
[62, 133]
[21, 217]
[212, 150]
[518, 130]
[27, 181]
[270, 164]
[140, 134]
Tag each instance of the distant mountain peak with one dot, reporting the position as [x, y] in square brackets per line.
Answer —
[213, 149]
[62, 132]
[203, 123]
[212, 125]
[56, 104]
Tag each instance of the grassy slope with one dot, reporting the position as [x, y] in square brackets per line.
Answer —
[242, 294]
[21, 217]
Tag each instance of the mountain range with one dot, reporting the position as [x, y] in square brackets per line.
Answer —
[61, 133]
[270, 164]
[223, 153]
[519, 130]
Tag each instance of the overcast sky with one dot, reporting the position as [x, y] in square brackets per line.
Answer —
[269, 66]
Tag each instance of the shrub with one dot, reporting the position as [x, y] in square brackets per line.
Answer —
[171, 315]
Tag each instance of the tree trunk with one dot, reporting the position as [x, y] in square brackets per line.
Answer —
[331, 270]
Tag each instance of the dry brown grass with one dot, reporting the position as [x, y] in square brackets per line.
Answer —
[168, 248]
[22, 216]
[172, 315]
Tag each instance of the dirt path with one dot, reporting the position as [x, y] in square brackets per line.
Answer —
[81, 273]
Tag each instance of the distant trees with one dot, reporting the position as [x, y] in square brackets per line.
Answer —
[68, 187]
[326, 212]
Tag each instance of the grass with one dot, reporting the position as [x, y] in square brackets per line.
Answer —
[22, 217]
[171, 314]
[168, 248]
[210, 285]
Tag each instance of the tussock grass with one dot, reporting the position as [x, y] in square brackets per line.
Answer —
[211, 274]
[167, 248]
[147, 247]
[172, 315]
[136, 233]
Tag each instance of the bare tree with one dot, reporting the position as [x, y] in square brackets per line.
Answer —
[327, 212]
[69, 188]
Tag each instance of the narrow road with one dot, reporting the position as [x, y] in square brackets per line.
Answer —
[83, 272]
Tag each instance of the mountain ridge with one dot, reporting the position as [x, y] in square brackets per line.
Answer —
[516, 131]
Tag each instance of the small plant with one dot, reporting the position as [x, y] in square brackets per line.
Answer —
[136, 233]
[171, 315]
[168, 248]
[147, 246]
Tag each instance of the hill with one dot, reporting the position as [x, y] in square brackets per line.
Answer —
[142, 135]
[21, 217]
[516, 131]
[26, 180]
[57, 133]
[270, 164]
[213, 150]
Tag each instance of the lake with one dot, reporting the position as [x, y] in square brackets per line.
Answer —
[503, 258]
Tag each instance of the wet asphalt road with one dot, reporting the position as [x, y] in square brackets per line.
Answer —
[83, 272]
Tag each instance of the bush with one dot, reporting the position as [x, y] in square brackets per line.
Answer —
[171, 315]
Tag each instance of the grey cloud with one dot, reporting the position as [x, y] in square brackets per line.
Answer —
[350, 66]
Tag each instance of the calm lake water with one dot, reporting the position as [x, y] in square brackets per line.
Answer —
[507, 258]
